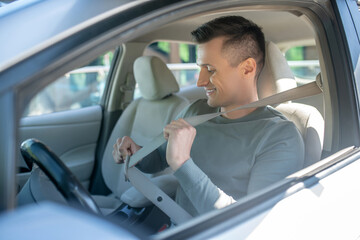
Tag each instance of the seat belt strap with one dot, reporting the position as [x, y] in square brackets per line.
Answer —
[177, 214]
[306, 90]
[152, 192]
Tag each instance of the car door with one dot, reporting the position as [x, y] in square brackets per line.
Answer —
[322, 201]
[67, 116]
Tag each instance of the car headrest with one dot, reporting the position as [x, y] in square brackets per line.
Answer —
[154, 78]
[276, 76]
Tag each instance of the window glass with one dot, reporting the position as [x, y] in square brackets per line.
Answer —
[304, 63]
[82, 87]
[180, 59]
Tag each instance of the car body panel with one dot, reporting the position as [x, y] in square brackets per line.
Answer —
[52, 221]
[310, 208]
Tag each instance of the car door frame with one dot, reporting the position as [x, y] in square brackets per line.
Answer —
[22, 91]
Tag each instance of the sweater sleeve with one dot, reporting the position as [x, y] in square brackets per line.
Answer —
[203, 194]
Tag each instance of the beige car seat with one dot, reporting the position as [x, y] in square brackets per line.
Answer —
[142, 120]
[277, 77]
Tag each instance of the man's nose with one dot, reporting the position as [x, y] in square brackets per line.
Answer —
[203, 79]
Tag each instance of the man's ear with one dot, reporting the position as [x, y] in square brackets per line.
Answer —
[248, 68]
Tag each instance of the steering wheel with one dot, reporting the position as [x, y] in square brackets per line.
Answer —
[34, 151]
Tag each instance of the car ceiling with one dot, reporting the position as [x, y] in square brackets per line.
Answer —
[278, 27]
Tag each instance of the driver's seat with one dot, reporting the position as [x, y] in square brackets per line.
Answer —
[142, 120]
[276, 77]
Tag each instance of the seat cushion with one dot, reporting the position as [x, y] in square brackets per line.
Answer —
[107, 203]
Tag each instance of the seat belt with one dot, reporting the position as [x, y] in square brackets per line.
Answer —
[155, 194]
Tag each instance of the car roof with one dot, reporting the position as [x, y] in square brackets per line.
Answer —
[50, 22]
[278, 26]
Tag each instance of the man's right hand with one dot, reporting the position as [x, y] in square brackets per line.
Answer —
[123, 147]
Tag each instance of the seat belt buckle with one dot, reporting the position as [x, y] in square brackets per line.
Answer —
[126, 167]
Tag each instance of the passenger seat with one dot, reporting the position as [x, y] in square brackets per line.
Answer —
[142, 120]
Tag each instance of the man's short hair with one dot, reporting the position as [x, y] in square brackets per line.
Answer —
[243, 39]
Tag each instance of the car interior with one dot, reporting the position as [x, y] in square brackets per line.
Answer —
[83, 138]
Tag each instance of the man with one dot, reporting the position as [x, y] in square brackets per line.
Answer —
[233, 154]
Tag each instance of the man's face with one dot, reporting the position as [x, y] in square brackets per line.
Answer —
[225, 85]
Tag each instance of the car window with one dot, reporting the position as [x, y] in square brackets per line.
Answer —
[304, 63]
[79, 88]
[180, 59]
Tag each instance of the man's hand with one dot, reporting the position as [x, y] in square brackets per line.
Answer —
[180, 135]
[123, 147]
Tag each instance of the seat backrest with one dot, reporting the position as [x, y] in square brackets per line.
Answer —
[277, 77]
[145, 117]
[311, 126]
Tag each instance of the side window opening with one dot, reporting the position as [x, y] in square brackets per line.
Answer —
[304, 63]
[181, 60]
[79, 88]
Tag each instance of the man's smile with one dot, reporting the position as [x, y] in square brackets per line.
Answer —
[210, 91]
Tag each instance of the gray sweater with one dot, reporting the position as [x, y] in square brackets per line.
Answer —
[231, 158]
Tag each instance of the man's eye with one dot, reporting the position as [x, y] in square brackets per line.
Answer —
[211, 70]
